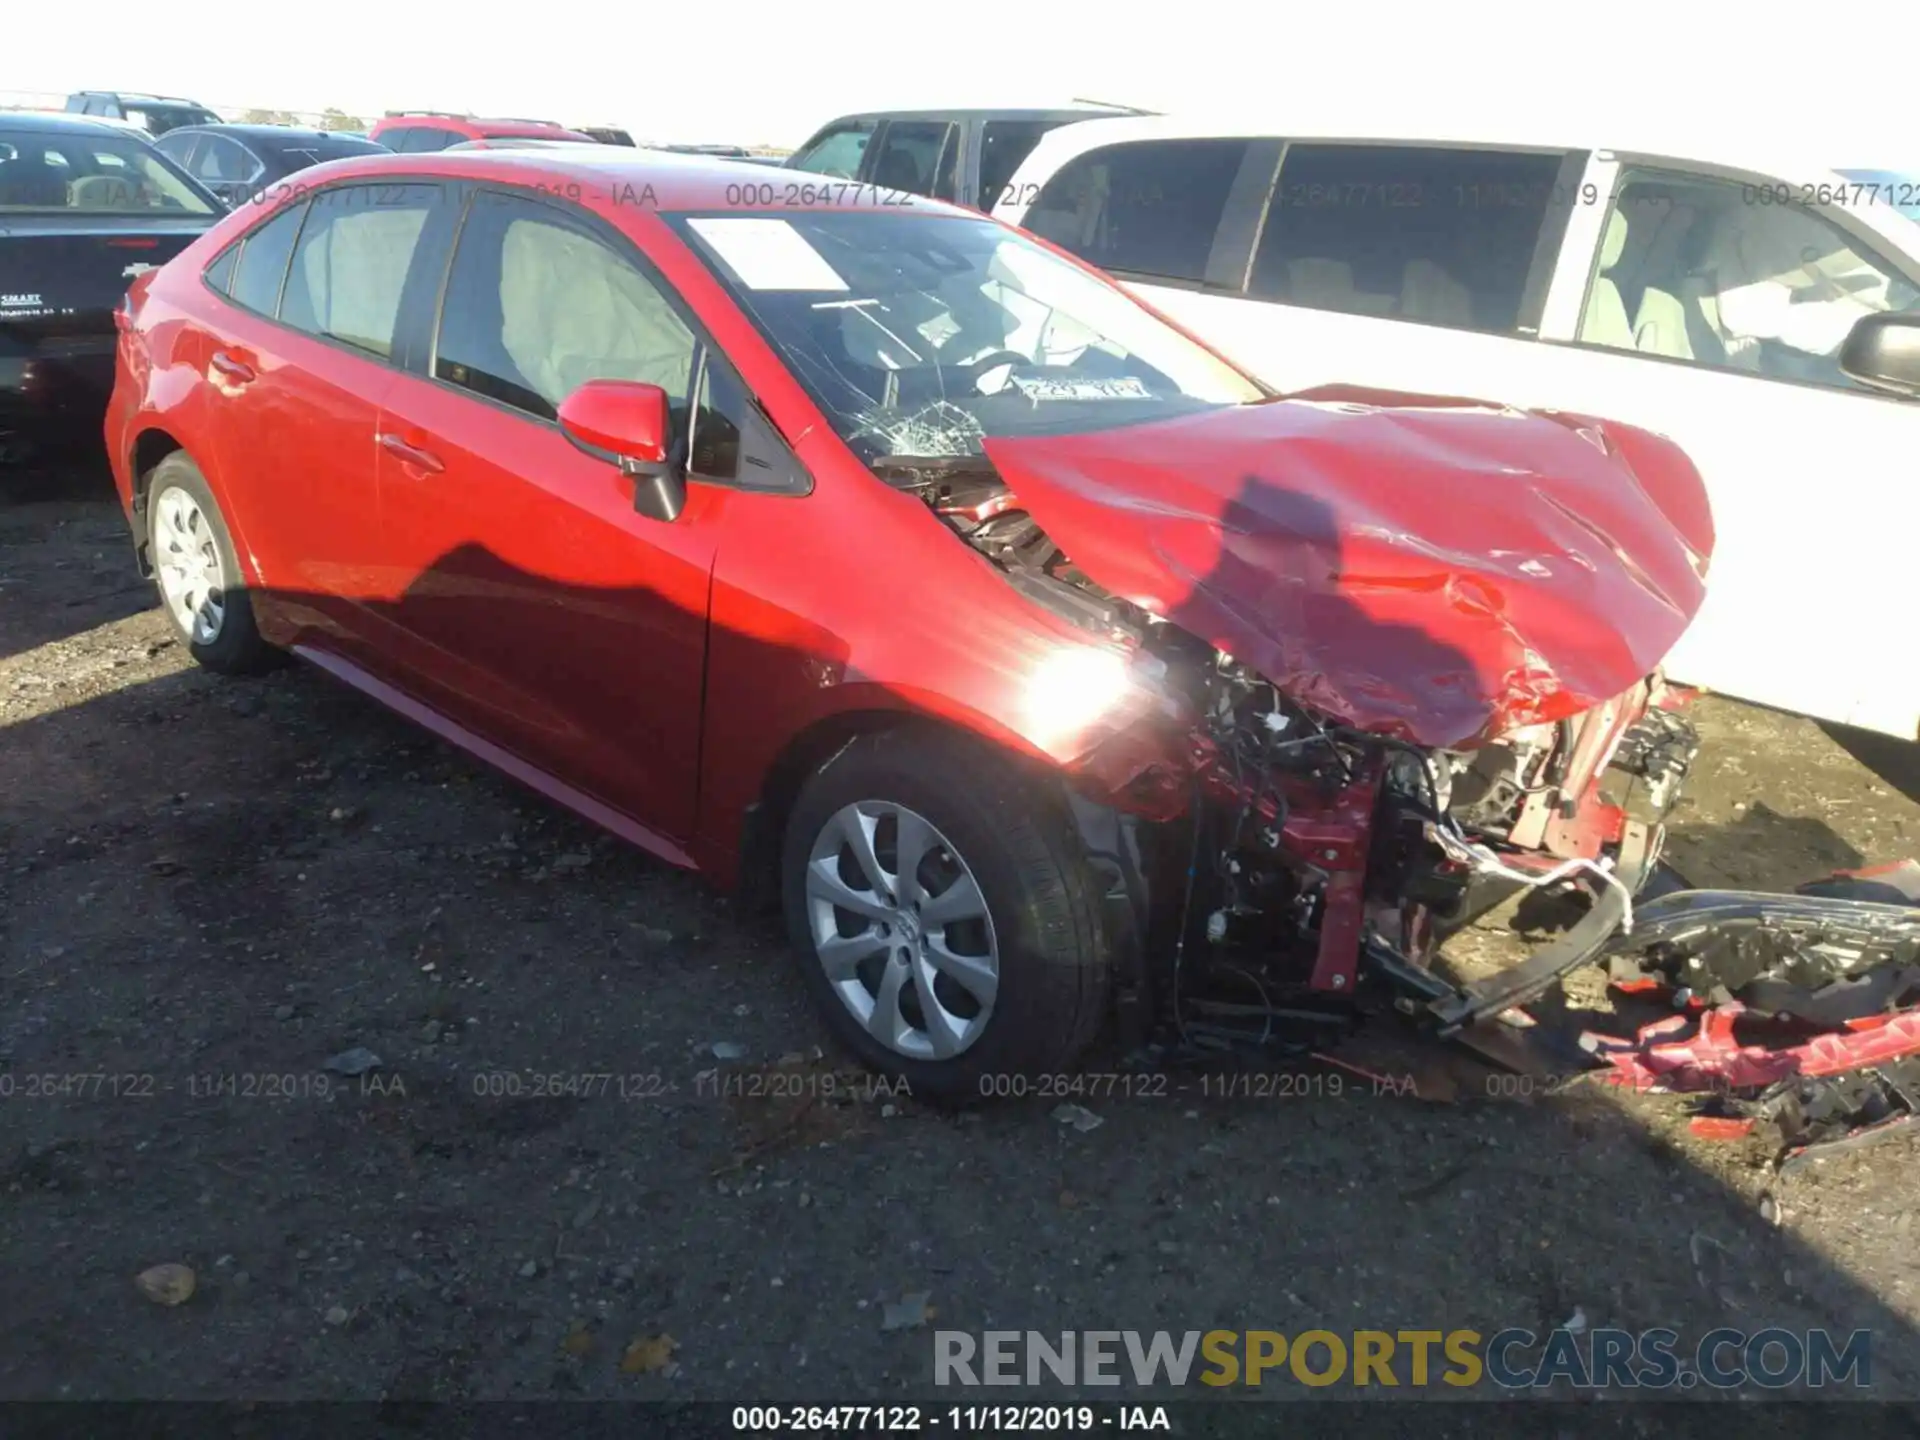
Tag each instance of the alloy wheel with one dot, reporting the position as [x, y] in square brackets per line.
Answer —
[902, 930]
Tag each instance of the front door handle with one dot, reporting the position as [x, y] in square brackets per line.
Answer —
[236, 371]
[411, 454]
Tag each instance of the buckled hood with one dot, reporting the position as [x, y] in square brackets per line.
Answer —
[1439, 570]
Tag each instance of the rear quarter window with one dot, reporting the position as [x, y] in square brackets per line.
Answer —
[262, 266]
[220, 273]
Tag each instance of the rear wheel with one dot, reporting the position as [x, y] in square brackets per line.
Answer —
[197, 572]
[945, 921]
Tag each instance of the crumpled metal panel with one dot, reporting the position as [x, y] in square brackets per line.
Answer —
[1438, 570]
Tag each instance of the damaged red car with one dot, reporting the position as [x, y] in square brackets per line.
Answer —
[878, 559]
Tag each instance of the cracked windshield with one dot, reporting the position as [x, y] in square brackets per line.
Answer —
[923, 335]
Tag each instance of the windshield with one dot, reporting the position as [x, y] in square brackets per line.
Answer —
[102, 175]
[923, 335]
[1891, 187]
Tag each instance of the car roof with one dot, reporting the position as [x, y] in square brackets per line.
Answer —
[678, 182]
[1797, 166]
[1699, 148]
[142, 97]
[1060, 112]
[62, 123]
[287, 134]
[498, 125]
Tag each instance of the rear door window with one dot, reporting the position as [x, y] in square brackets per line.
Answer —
[351, 267]
[262, 267]
[1149, 208]
[1442, 236]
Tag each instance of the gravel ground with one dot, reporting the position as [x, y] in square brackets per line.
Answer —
[208, 888]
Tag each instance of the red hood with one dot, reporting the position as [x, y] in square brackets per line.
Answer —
[1440, 570]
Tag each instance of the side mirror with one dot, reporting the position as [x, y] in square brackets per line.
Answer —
[626, 423]
[1884, 351]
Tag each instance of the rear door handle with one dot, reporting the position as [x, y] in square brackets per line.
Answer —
[233, 369]
[411, 454]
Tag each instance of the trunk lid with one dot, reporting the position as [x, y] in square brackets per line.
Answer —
[61, 278]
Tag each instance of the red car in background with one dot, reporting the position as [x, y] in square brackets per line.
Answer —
[1047, 665]
[415, 132]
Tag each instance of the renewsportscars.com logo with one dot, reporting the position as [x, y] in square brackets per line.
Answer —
[1513, 1359]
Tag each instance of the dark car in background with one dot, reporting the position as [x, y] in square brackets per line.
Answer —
[85, 206]
[966, 156]
[606, 134]
[237, 162]
[417, 132]
[156, 114]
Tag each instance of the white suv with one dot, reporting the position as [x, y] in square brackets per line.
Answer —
[1719, 303]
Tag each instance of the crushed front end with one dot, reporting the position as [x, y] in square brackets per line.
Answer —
[1320, 863]
[1276, 867]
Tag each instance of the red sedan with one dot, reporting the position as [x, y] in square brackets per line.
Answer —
[1045, 664]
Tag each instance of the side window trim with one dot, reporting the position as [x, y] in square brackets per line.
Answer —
[1237, 237]
[256, 166]
[870, 157]
[760, 444]
[946, 164]
[594, 227]
[1546, 251]
[237, 249]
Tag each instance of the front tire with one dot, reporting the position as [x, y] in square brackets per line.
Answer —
[945, 922]
[198, 574]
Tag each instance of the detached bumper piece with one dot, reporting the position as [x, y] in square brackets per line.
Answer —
[1798, 1013]
[1531, 978]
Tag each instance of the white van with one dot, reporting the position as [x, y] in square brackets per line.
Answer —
[1707, 300]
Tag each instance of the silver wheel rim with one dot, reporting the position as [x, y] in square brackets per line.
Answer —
[902, 930]
[192, 580]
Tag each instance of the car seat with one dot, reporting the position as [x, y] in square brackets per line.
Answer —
[1429, 293]
[1660, 321]
[1605, 321]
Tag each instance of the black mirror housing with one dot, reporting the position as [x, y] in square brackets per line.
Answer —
[1883, 351]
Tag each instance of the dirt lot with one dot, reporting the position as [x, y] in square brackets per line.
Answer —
[208, 888]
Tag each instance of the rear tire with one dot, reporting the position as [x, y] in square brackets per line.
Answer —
[983, 968]
[202, 589]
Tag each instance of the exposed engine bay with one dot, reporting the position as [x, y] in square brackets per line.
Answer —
[1274, 860]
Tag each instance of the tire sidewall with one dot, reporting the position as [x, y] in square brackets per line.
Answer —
[238, 640]
[1034, 975]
